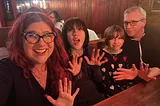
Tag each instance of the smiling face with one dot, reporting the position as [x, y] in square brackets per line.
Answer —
[39, 52]
[136, 30]
[115, 43]
[76, 37]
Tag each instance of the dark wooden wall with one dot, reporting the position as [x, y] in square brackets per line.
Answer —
[97, 14]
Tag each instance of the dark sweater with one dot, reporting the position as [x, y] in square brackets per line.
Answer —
[15, 89]
[111, 87]
[87, 80]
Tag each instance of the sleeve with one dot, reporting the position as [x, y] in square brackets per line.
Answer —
[93, 72]
[5, 83]
[78, 76]
[138, 80]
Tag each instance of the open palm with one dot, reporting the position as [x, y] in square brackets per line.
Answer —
[123, 73]
[75, 65]
[144, 72]
[95, 58]
[65, 98]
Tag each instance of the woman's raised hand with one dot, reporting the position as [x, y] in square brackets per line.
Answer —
[75, 65]
[95, 58]
[65, 97]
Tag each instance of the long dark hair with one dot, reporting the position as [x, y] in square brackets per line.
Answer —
[56, 63]
[69, 25]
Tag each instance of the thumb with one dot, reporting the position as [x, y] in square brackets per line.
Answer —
[50, 99]
[76, 92]
[134, 67]
[86, 58]
[153, 78]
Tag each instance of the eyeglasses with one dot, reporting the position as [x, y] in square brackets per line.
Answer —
[132, 23]
[33, 38]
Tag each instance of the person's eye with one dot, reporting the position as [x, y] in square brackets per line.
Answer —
[49, 35]
[71, 30]
[126, 22]
[112, 38]
[133, 22]
[31, 35]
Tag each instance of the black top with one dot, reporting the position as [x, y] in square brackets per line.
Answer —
[110, 86]
[86, 80]
[15, 90]
[150, 48]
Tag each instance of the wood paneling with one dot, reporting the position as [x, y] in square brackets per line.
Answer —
[97, 14]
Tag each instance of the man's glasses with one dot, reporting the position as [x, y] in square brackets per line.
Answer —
[132, 23]
[33, 38]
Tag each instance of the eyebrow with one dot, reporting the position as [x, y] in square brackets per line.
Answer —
[30, 31]
[44, 32]
[131, 20]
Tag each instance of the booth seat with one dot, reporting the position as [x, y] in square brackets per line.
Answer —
[3, 36]
[97, 44]
[3, 39]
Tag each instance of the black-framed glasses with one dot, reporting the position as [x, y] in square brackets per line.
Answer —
[33, 37]
[132, 23]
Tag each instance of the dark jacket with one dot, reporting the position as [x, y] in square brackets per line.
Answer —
[15, 90]
[150, 48]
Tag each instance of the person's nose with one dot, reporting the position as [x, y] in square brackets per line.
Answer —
[74, 32]
[116, 40]
[41, 42]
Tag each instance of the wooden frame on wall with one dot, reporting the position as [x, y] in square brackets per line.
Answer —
[155, 6]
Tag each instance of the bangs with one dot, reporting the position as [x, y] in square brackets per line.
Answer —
[74, 25]
[118, 34]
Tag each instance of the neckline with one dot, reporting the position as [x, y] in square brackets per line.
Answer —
[139, 39]
[77, 53]
[105, 49]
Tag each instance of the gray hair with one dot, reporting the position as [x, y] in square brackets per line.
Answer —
[136, 8]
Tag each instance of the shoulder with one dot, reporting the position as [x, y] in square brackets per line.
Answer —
[6, 71]
[5, 62]
[6, 65]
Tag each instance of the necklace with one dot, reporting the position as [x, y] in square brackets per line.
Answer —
[113, 55]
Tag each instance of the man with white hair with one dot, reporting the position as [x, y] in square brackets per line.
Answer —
[142, 43]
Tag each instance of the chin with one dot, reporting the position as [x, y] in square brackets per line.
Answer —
[116, 49]
[130, 34]
[41, 61]
[77, 47]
